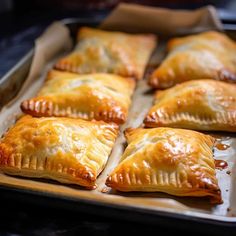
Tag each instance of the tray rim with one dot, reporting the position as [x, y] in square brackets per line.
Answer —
[193, 217]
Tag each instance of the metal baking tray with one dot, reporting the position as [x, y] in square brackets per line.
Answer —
[157, 208]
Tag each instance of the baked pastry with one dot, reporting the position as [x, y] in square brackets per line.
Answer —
[93, 96]
[68, 150]
[110, 52]
[175, 161]
[196, 104]
[209, 55]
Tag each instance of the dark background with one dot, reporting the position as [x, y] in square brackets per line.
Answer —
[20, 23]
[20, 14]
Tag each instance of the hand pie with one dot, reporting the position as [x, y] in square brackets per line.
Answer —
[209, 55]
[199, 104]
[67, 150]
[93, 96]
[109, 52]
[175, 161]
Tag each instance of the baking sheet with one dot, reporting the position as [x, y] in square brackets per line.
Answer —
[142, 101]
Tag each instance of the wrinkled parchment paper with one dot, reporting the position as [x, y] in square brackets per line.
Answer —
[55, 39]
[142, 19]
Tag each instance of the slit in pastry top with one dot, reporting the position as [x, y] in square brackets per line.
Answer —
[109, 52]
[94, 96]
[208, 55]
[174, 161]
[198, 104]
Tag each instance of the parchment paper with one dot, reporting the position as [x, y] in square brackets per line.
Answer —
[142, 19]
[55, 40]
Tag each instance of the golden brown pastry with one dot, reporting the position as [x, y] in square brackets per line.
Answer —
[68, 150]
[199, 104]
[93, 96]
[175, 161]
[209, 55]
[109, 52]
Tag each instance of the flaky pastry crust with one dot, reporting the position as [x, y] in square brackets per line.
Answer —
[99, 96]
[68, 150]
[109, 52]
[209, 55]
[200, 105]
[175, 161]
